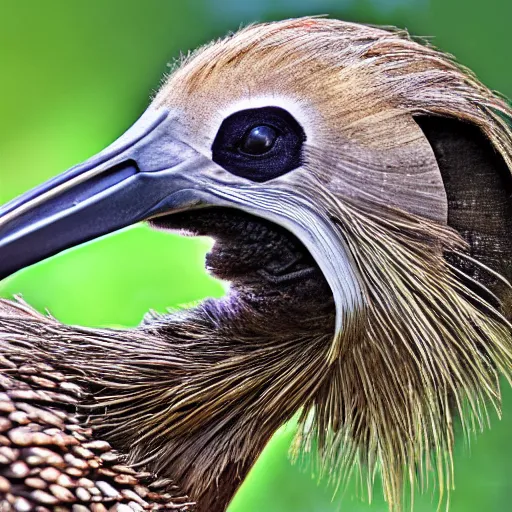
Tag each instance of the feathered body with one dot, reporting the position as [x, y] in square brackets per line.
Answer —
[398, 231]
[48, 459]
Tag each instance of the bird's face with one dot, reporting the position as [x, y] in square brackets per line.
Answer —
[314, 125]
[272, 122]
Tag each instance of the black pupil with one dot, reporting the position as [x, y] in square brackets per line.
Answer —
[259, 140]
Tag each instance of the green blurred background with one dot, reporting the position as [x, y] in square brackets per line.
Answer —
[74, 75]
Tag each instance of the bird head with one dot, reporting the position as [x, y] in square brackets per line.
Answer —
[357, 183]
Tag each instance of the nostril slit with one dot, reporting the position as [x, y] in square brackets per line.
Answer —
[105, 180]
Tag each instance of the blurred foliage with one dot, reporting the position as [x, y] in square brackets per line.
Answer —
[75, 75]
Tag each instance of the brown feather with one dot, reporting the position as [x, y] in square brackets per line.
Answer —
[48, 458]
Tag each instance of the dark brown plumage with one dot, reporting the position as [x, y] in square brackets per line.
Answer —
[365, 233]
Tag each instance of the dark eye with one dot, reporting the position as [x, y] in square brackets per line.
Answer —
[259, 140]
[259, 143]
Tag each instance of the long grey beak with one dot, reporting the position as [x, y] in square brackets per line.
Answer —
[143, 174]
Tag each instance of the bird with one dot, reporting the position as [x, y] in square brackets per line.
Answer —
[357, 184]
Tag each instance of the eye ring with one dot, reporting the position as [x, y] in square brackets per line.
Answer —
[258, 140]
